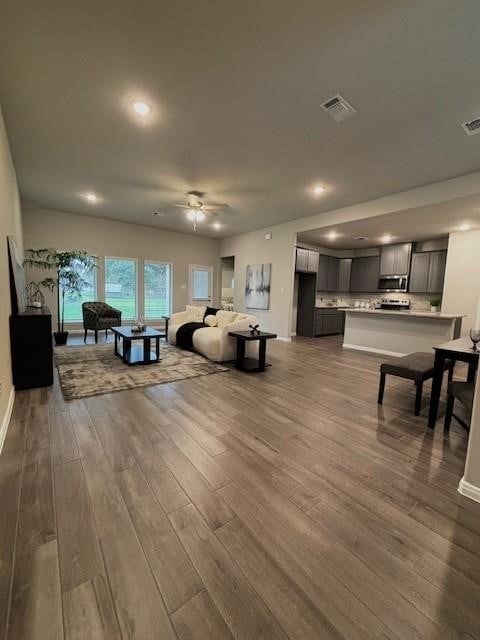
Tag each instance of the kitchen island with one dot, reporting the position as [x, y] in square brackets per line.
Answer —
[397, 333]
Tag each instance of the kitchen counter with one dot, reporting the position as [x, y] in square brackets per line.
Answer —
[397, 333]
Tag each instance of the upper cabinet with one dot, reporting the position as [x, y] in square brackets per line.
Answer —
[364, 275]
[395, 259]
[328, 273]
[344, 274]
[428, 272]
[306, 261]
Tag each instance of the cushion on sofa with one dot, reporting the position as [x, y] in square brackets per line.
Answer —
[195, 314]
[211, 320]
[226, 317]
[211, 311]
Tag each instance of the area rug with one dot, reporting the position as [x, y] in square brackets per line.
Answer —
[94, 369]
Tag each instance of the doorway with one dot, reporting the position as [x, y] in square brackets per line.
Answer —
[227, 293]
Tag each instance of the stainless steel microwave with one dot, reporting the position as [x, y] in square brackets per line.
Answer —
[393, 283]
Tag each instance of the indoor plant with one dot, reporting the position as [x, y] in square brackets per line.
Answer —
[69, 268]
[435, 304]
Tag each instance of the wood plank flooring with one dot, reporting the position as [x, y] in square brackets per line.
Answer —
[283, 505]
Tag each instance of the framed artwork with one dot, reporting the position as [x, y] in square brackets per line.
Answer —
[257, 286]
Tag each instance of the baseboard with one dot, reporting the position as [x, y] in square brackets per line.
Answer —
[6, 417]
[383, 352]
[284, 339]
[469, 490]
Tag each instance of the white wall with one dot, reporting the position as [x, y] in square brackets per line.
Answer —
[10, 224]
[461, 291]
[101, 237]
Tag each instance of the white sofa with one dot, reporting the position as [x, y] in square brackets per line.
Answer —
[214, 342]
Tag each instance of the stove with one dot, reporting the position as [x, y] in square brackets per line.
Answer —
[395, 305]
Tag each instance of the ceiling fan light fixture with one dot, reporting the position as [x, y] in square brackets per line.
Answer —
[195, 215]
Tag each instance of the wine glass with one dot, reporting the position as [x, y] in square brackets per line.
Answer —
[475, 338]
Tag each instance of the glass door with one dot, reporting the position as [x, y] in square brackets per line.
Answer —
[200, 285]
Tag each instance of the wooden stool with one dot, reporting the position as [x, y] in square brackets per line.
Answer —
[416, 366]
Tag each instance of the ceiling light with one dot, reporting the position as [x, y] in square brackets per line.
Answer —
[318, 190]
[386, 238]
[216, 225]
[91, 197]
[332, 235]
[142, 108]
[464, 227]
[195, 215]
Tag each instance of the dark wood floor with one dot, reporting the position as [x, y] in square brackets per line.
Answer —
[273, 506]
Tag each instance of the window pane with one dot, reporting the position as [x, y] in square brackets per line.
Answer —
[73, 301]
[157, 289]
[200, 285]
[121, 286]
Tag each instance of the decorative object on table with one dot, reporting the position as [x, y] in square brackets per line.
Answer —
[99, 315]
[435, 305]
[35, 297]
[138, 325]
[68, 278]
[257, 286]
[251, 365]
[91, 370]
[254, 329]
[475, 338]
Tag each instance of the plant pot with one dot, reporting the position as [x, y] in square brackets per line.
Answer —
[60, 337]
[434, 309]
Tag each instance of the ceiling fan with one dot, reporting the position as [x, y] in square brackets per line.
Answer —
[196, 208]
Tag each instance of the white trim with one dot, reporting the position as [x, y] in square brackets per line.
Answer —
[284, 339]
[372, 350]
[6, 417]
[469, 490]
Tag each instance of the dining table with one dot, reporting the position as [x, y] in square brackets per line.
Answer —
[459, 350]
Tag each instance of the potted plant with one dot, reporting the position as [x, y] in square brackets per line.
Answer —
[69, 268]
[435, 305]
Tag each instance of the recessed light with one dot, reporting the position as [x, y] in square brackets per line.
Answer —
[386, 238]
[464, 227]
[142, 108]
[91, 197]
[332, 235]
[318, 189]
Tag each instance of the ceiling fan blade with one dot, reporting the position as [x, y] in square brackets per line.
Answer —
[217, 205]
[182, 206]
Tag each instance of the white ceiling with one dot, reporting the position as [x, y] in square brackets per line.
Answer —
[421, 223]
[236, 88]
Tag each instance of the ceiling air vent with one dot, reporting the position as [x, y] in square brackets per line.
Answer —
[361, 238]
[472, 127]
[338, 108]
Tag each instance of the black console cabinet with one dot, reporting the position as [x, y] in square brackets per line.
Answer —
[32, 350]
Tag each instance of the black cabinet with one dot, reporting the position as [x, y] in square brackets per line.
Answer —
[306, 261]
[31, 348]
[428, 272]
[364, 274]
[395, 259]
[329, 321]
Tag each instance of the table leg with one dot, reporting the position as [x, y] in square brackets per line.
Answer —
[116, 344]
[262, 349]
[127, 347]
[436, 388]
[146, 350]
[472, 371]
[240, 364]
[157, 348]
[167, 320]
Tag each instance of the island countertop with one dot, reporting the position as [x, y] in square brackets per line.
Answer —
[408, 313]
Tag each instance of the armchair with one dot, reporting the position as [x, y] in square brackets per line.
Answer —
[99, 315]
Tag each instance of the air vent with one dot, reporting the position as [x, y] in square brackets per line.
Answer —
[361, 238]
[338, 108]
[472, 127]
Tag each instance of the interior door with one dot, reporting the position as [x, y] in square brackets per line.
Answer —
[200, 285]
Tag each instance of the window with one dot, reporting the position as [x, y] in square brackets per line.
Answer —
[157, 289]
[200, 284]
[121, 285]
[73, 301]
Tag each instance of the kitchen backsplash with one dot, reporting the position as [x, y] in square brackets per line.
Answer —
[418, 302]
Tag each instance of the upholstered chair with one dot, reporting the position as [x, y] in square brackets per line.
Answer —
[99, 315]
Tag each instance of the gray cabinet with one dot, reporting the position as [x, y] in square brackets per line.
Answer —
[428, 272]
[322, 274]
[306, 261]
[395, 259]
[333, 273]
[364, 274]
[344, 272]
[329, 321]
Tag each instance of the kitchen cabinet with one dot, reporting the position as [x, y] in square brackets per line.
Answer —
[395, 259]
[306, 261]
[344, 271]
[329, 321]
[328, 273]
[364, 274]
[428, 272]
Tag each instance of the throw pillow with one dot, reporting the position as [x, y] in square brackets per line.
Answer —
[226, 317]
[211, 311]
[195, 314]
[211, 320]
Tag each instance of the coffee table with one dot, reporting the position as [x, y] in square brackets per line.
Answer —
[137, 354]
